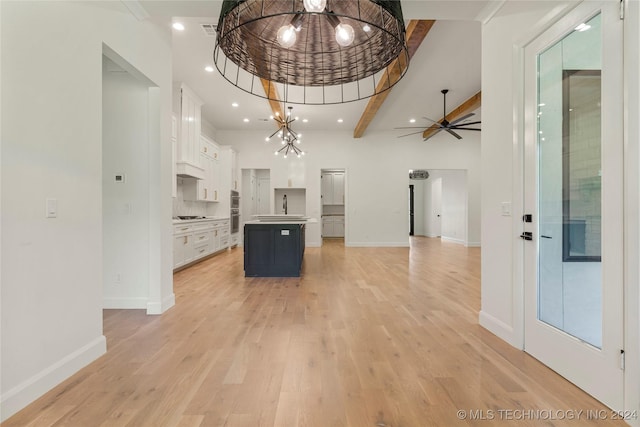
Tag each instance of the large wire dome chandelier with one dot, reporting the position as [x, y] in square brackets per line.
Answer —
[311, 51]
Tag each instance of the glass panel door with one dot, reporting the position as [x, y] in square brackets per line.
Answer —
[573, 190]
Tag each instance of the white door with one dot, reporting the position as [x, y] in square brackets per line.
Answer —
[573, 191]
[264, 196]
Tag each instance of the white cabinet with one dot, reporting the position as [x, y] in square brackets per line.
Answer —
[234, 171]
[208, 188]
[333, 188]
[183, 252]
[195, 240]
[188, 153]
[333, 226]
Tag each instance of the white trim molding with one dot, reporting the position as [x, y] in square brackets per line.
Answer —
[160, 307]
[23, 394]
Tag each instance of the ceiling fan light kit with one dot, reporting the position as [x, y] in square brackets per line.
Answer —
[313, 51]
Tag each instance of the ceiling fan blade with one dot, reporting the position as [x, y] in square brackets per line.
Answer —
[457, 128]
[411, 127]
[465, 124]
[409, 134]
[433, 121]
[465, 117]
[434, 132]
[453, 133]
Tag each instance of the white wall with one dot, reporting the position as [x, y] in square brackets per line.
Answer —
[501, 300]
[52, 148]
[125, 207]
[376, 177]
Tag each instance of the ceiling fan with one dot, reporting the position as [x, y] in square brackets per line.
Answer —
[449, 127]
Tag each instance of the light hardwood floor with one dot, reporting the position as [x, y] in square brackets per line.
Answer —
[371, 337]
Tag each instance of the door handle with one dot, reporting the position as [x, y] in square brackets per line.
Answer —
[527, 235]
[546, 237]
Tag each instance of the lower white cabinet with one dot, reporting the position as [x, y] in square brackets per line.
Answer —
[333, 226]
[195, 240]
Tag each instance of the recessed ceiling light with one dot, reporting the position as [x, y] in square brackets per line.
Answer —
[246, 120]
[208, 69]
[366, 28]
[412, 120]
[178, 26]
[305, 120]
[340, 120]
[234, 104]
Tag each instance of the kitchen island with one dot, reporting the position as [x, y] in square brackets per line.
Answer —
[274, 248]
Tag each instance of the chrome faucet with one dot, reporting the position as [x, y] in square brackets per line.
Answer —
[284, 204]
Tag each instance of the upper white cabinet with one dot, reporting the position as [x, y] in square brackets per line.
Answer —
[333, 188]
[234, 171]
[188, 155]
[208, 188]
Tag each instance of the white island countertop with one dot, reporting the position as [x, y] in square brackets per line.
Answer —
[283, 219]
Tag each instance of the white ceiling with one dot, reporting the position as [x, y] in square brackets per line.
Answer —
[448, 58]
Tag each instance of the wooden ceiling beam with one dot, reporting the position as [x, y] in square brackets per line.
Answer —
[271, 91]
[466, 107]
[417, 30]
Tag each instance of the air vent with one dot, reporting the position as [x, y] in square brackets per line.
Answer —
[418, 174]
[209, 29]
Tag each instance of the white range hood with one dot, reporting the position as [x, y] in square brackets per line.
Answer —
[189, 170]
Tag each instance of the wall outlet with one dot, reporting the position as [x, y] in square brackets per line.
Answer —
[118, 277]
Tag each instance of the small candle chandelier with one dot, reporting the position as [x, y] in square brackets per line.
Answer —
[288, 137]
[311, 51]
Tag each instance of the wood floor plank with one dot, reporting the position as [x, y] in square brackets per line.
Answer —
[368, 337]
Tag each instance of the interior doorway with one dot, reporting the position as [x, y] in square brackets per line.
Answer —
[255, 195]
[440, 204]
[130, 131]
[333, 201]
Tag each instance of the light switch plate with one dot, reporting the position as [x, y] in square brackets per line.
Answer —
[52, 208]
[506, 208]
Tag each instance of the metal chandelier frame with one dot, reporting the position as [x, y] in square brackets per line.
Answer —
[315, 69]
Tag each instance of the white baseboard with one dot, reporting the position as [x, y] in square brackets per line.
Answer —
[498, 328]
[472, 244]
[313, 245]
[452, 240]
[159, 308]
[124, 303]
[377, 244]
[23, 394]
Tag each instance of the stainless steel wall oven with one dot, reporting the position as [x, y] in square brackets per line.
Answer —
[235, 211]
